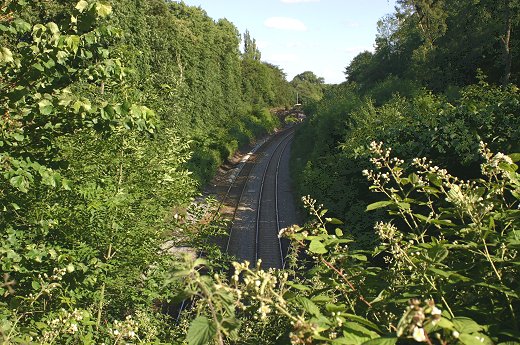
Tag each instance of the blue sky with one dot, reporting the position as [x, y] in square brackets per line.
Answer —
[305, 35]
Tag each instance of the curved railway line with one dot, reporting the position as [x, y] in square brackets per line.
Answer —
[254, 195]
[268, 246]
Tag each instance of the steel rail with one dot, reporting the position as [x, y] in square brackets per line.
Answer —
[244, 188]
[224, 198]
[231, 185]
[282, 257]
[260, 194]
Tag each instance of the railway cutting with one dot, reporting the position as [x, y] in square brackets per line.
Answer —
[260, 202]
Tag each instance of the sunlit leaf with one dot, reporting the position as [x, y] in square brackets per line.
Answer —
[81, 5]
[378, 204]
[317, 247]
[103, 10]
[381, 341]
[201, 331]
[308, 305]
[6, 55]
[45, 106]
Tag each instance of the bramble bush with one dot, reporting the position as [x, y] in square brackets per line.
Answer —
[447, 132]
[449, 260]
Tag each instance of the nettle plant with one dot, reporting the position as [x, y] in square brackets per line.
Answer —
[449, 259]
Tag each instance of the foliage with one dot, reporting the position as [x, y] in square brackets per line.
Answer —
[447, 132]
[309, 87]
[421, 42]
[450, 241]
[94, 182]
[189, 69]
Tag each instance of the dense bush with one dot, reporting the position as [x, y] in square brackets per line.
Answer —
[447, 132]
[447, 275]
[93, 181]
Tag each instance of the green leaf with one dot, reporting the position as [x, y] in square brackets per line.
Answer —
[404, 205]
[39, 67]
[435, 179]
[342, 341]
[422, 218]
[49, 64]
[22, 26]
[317, 247]
[357, 328]
[6, 55]
[439, 272]
[65, 184]
[45, 106]
[298, 286]
[363, 321]
[378, 204]
[35, 285]
[20, 183]
[334, 221]
[53, 28]
[515, 157]
[201, 331]
[18, 136]
[414, 178]
[466, 325]
[333, 308]
[445, 323]
[437, 253]
[351, 337]
[508, 167]
[472, 339]
[48, 178]
[200, 262]
[308, 305]
[381, 341]
[442, 222]
[501, 288]
[73, 42]
[359, 257]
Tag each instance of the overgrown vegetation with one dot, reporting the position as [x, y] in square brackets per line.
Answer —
[424, 92]
[448, 262]
[112, 116]
[95, 182]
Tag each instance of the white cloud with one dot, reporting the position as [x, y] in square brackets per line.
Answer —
[297, 1]
[285, 23]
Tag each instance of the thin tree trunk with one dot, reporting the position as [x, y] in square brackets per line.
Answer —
[507, 48]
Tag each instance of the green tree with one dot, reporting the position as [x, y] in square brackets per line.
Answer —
[250, 49]
[309, 86]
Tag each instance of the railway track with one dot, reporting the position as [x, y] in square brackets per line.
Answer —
[255, 197]
[257, 220]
